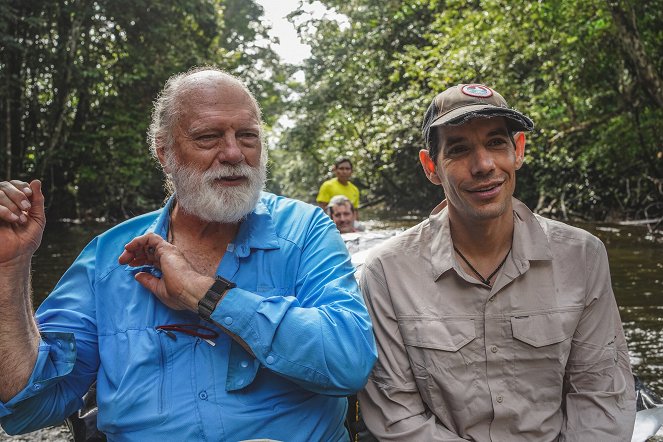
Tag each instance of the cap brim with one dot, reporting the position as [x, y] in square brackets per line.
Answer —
[463, 114]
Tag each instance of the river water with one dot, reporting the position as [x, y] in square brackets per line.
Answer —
[636, 260]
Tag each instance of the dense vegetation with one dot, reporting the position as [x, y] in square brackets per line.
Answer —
[590, 74]
[77, 78]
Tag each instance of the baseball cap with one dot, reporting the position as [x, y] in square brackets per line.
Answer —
[461, 103]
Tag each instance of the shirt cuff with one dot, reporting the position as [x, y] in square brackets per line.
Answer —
[235, 311]
[55, 359]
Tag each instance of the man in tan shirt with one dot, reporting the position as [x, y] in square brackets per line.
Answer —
[492, 323]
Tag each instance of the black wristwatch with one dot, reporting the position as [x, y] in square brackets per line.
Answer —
[207, 305]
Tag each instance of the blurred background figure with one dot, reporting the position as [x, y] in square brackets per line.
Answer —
[340, 185]
[344, 214]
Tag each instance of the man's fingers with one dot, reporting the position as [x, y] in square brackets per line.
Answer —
[8, 215]
[14, 198]
[22, 185]
[142, 250]
[148, 281]
[36, 211]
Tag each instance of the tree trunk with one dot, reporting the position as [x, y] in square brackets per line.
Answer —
[72, 30]
[7, 139]
[632, 45]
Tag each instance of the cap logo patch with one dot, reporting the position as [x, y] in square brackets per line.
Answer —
[477, 90]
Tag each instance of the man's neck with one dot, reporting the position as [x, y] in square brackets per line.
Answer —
[203, 243]
[483, 240]
[189, 227]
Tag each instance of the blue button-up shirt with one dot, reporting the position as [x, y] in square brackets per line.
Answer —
[296, 307]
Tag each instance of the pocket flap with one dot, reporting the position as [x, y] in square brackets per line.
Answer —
[448, 335]
[539, 330]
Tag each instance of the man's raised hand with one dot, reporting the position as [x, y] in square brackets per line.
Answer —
[180, 286]
[22, 220]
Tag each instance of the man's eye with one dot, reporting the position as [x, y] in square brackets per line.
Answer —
[456, 150]
[248, 135]
[497, 142]
[206, 137]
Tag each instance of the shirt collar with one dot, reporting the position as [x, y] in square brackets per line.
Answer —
[161, 223]
[257, 231]
[440, 240]
[530, 242]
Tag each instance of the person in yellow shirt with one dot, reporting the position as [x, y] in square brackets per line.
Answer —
[340, 185]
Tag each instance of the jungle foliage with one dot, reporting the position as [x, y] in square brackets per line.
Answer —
[589, 73]
[77, 80]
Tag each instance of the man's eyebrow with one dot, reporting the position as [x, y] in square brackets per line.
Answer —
[453, 140]
[198, 127]
[498, 131]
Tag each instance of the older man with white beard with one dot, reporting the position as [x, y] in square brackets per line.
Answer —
[229, 314]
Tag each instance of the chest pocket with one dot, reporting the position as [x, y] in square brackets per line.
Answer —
[541, 347]
[434, 345]
[540, 330]
[134, 380]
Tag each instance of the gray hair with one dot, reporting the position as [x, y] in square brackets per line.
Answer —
[167, 105]
[339, 200]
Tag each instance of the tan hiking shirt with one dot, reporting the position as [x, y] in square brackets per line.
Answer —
[540, 356]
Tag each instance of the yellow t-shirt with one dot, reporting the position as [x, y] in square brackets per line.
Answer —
[333, 187]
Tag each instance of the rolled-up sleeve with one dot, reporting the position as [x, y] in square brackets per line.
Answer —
[67, 360]
[55, 359]
[600, 396]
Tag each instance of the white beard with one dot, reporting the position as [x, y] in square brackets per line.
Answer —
[198, 195]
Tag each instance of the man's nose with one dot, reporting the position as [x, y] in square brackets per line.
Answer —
[483, 161]
[230, 150]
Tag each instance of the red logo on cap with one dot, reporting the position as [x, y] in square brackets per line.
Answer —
[477, 90]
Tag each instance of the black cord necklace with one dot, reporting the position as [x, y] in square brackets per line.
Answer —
[486, 281]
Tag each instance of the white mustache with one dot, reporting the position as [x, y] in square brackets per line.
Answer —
[226, 171]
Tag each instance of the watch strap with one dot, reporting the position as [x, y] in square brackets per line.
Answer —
[208, 303]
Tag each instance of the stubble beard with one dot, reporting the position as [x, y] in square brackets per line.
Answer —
[198, 195]
[469, 211]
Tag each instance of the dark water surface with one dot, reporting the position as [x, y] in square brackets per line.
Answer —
[636, 262]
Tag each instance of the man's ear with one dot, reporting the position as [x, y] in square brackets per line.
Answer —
[520, 149]
[161, 155]
[429, 166]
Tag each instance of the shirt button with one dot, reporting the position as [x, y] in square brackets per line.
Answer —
[36, 386]
[203, 395]
[240, 382]
[228, 320]
[493, 349]
[59, 343]
[491, 299]
[499, 399]
[244, 364]
[269, 359]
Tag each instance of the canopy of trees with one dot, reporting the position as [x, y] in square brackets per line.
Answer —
[77, 80]
[590, 74]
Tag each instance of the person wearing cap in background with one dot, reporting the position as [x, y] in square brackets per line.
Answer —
[492, 323]
[340, 185]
